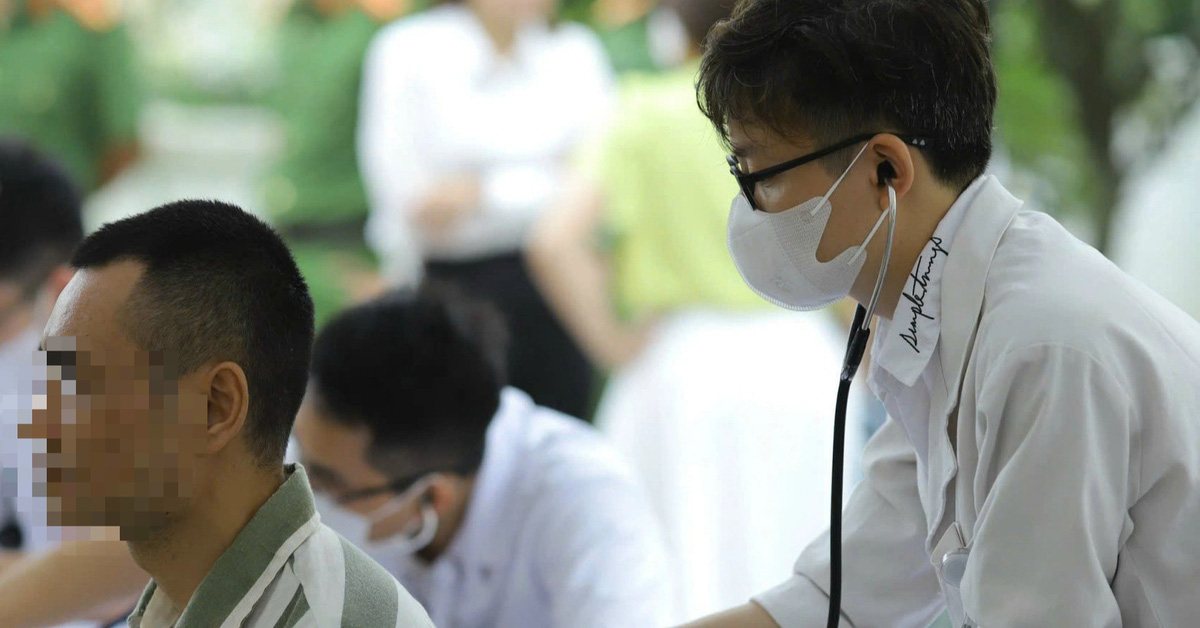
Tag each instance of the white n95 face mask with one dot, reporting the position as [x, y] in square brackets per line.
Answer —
[776, 254]
[356, 527]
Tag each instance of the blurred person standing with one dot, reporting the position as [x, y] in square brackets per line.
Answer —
[494, 512]
[40, 225]
[69, 83]
[468, 112]
[314, 194]
[705, 398]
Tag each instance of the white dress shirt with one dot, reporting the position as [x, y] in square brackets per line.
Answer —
[438, 100]
[1073, 497]
[557, 535]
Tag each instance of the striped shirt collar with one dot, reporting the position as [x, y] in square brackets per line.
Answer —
[252, 552]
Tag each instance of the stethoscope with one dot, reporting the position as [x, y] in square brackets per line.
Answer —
[856, 347]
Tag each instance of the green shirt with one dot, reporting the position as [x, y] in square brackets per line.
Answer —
[285, 569]
[72, 91]
[667, 193]
[317, 179]
[628, 46]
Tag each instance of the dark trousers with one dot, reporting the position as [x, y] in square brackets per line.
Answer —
[543, 360]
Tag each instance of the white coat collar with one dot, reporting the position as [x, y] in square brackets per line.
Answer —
[983, 225]
[905, 344]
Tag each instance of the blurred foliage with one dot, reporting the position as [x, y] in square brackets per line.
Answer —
[1091, 88]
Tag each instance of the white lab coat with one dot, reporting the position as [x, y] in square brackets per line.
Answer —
[1075, 489]
[557, 535]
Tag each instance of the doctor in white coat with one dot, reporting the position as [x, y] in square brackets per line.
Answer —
[1041, 466]
[492, 511]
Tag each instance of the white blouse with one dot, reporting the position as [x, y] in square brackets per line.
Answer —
[438, 100]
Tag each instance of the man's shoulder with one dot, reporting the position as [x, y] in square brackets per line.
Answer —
[1046, 288]
[567, 451]
[332, 569]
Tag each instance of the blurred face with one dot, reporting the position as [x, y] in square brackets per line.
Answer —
[514, 11]
[335, 457]
[123, 432]
[856, 202]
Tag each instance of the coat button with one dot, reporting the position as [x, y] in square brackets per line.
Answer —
[954, 566]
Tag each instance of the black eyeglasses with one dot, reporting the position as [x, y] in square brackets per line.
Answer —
[396, 486]
[748, 180]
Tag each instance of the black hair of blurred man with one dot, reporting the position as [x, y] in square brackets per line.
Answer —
[188, 329]
[402, 390]
[40, 225]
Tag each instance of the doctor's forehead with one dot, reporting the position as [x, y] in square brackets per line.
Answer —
[751, 140]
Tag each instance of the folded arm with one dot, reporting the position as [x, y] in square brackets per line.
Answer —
[78, 580]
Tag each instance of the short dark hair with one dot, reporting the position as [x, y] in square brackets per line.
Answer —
[421, 369]
[218, 285]
[40, 206]
[837, 68]
[700, 16]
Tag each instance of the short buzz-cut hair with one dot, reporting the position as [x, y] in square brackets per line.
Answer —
[218, 285]
[40, 214]
[422, 370]
[833, 69]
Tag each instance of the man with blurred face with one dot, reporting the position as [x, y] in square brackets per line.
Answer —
[171, 370]
[40, 225]
[493, 511]
[1039, 467]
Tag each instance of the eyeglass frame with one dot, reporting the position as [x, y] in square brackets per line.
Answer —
[397, 486]
[748, 180]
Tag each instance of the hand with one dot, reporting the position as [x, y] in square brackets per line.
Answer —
[448, 202]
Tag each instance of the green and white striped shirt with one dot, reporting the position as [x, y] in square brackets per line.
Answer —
[288, 570]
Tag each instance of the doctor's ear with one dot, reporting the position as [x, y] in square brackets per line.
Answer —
[885, 172]
[893, 166]
[446, 492]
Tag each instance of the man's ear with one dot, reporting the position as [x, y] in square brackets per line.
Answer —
[228, 404]
[894, 166]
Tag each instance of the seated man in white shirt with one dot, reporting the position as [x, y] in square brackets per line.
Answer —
[491, 510]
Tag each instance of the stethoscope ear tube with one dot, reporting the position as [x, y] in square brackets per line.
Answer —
[856, 347]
